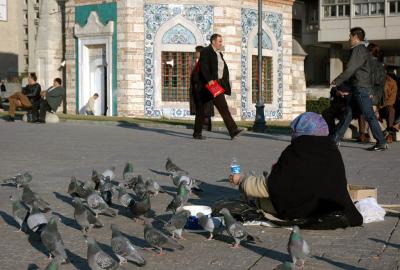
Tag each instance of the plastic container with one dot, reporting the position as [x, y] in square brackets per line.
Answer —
[192, 223]
[235, 167]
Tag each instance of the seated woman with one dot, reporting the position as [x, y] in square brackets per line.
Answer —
[309, 179]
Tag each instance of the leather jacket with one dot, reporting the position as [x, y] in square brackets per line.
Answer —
[32, 91]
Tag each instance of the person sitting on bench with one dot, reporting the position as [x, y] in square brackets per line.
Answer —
[28, 98]
[50, 101]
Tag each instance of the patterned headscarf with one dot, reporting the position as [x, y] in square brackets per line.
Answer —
[309, 123]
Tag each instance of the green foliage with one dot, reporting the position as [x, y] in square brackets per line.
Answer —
[317, 106]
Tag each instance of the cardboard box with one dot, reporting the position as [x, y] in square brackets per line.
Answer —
[358, 192]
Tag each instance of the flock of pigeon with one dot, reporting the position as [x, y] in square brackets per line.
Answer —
[94, 197]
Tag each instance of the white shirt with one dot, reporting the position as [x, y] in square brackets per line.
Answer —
[221, 63]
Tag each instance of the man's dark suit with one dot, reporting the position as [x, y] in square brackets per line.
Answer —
[209, 72]
[54, 97]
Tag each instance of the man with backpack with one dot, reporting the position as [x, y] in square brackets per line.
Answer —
[358, 74]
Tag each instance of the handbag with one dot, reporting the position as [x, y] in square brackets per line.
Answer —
[215, 89]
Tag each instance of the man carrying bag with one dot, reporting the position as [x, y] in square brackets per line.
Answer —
[214, 76]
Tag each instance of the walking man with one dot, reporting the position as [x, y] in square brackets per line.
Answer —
[213, 69]
[358, 74]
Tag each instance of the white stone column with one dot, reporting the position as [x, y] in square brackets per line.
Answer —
[335, 63]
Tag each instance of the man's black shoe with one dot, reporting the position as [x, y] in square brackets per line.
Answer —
[378, 147]
[11, 119]
[236, 133]
[199, 137]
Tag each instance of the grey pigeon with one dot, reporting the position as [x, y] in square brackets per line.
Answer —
[124, 198]
[28, 196]
[51, 238]
[76, 188]
[97, 258]
[19, 179]
[153, 187]
[84, 217]
[298, 248]
[36, 220]
[235, 228]
[172, 167]
[140, 187]
[97, 204]
[286, 266]
[106, 189]
[20, 211]
[95, 180]
[177, 222]
[157, 239]
[190, 182]
[109, 173]
[124, 249]
[128, 172]
[140, 207]
[179, 199]
[211, 224]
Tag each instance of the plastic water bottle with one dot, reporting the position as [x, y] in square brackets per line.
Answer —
[235, 167]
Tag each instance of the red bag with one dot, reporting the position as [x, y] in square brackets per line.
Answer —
[215, 89]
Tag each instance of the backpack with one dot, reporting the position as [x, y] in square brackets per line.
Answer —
[378, 77]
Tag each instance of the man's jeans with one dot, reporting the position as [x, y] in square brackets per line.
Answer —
[361, 97]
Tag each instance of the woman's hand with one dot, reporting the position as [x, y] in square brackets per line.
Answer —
[235, 179]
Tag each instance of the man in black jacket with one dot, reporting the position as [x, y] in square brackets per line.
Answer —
[213, 68]
[358, 73]
[51, 100]
[27, 98]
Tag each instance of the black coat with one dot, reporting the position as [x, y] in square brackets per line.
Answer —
[32, 91]
[209, 71]
[309, 180]
[195, 97]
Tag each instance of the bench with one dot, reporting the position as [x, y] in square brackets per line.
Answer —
[51, 117]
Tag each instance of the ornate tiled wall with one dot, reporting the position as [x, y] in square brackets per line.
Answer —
[249, 20]
[155, 16]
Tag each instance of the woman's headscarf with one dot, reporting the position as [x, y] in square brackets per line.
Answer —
[309, 123]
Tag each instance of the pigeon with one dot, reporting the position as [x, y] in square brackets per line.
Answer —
[140, 187]
[95, 180]
[76, 188]
[235, 228]
[109, 173]
[171, 167]
[285, 266]
[140, 207]
[51, 239]
[298, 248]
[36, 220]
[97, 258]
[179, 199]
[128, 172]
[20, 211]
[124, 198]
[84, 217]
[124, 249]
[97, 204]
[191, 182]
[153, 187]
[157, 239]
[54, 264]
[28, 197]
[106, 189]
[19, 179]
[177, 222]
[211, 224]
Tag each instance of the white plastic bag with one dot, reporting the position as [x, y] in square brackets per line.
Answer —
[370, 210]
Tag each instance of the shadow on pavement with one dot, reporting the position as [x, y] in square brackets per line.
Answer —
[339, 264]
[160, 172]
[32, 266]
[385, 243]
[77, 261]
[36, 242]
[265, 252]
[63, 198]
[9, 219]
[68, 221]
